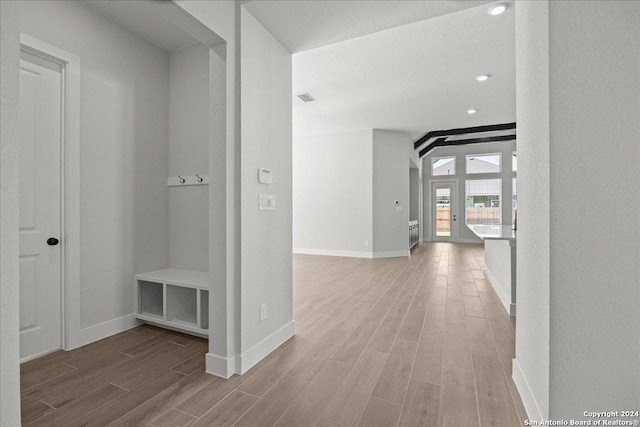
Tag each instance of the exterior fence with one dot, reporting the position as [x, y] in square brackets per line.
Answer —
[483, 215]
[473, 216]
[443, 220]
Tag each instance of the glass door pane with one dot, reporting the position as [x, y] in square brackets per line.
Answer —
[443, 211]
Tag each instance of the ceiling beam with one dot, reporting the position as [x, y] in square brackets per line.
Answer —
[444, 142]
[462, 131]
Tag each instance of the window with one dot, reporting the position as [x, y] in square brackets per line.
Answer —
[482, 202]
[514, 162]
[443, 166]
[484, 163]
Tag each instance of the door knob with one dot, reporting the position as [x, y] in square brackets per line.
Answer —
[52, 241]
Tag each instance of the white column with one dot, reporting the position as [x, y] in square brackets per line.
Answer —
[578, 110]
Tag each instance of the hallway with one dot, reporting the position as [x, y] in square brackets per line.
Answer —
[445, 338]
[397, 341]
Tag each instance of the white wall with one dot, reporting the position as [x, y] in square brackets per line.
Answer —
[594, 150]
[414, 193]
[531, 365]
[223, 18]
[578, 329]
[124, 137]
[345, 188]
[266, 128]
[9, 285]
[464, 234]
[258, 131]
[189, 155]
[390, 184]
[333, 194]
[222, 275]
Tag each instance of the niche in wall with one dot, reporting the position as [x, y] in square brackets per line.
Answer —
[185, 280]
[171, 287]
[189, 156]
[185, 277]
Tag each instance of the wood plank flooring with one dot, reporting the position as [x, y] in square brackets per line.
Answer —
[419, 341]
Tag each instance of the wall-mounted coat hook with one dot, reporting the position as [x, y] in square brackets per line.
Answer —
[184, 181]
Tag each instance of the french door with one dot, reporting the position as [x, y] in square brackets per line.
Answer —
[444, 221]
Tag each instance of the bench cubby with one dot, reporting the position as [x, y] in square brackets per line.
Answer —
[174, 299]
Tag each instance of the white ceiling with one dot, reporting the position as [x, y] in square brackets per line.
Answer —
[381, 64]
[413, 78]
[140, 16]
[307, 24]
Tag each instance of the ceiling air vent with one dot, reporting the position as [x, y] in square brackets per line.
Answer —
[305, 97]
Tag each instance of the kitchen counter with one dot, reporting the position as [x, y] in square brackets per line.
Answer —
[499, 260]
[495, 232]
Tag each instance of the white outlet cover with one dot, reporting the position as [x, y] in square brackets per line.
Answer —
[267, 202]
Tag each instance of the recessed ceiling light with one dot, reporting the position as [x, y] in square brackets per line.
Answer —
[482, 77]
[472, 111]
[497, 9]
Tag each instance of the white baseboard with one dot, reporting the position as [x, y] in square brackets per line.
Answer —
[331, 252]
[220, 366]
[510, 307]
[259, 351]
[475, 241]
[36, 356]
[529, 402]
[239, 364]
[106, 329]
[392, 254]
[351, 254]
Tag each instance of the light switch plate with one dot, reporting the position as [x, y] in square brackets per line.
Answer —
[264, 176]
[267, 202]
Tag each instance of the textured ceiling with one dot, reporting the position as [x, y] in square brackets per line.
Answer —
[307, 24]
[398, 65]
[140, 17]
[413, 78]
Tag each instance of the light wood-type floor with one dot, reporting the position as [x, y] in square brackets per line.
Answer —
[419, 341]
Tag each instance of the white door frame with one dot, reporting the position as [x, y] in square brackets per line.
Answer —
[70, 184]
[454, 211]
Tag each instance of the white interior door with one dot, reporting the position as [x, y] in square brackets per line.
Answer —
[444, 213]
[40, 217]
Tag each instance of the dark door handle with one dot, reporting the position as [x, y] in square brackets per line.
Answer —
[52, 241]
